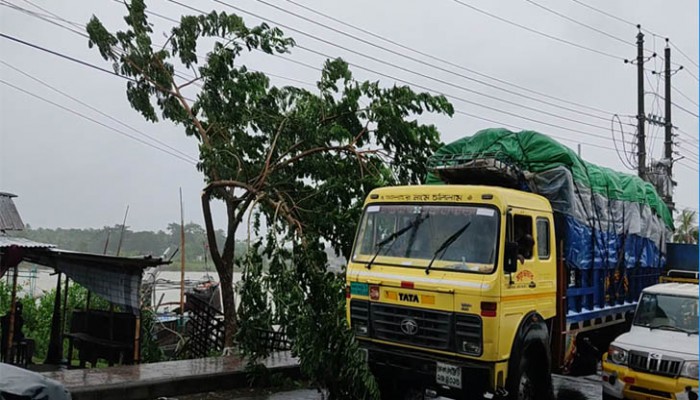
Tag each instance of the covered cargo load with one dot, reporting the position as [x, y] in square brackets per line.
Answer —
[614, 226]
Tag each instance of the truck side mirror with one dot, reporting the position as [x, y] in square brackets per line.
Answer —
[510, 261]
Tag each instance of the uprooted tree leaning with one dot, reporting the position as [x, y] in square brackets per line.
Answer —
[299, 161]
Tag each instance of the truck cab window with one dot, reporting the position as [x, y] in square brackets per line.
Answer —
[522, 226]
[543, 238]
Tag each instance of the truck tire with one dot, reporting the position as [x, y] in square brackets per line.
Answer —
[531, 379]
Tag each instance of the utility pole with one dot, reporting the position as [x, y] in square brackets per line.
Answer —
[668, 142]
[641, 119]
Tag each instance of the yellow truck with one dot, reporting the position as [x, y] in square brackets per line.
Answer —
[478, 284]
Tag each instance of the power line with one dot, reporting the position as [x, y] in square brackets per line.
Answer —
[324, 55]
[96, 121]
[459, 112]
[306, 65]
[695, 103]
[630, 23]
[683, 54]
[191, 159]
[606, 13]
[577, 22]
[527, 28]
[424, 54]
[688, 167]
[191, 8]
[176, 73]
[69, 58]
[405, 69]
[685, 109]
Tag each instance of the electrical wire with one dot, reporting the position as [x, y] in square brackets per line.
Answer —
[316, 69]
[688, 135]
[600, 31]
[402, 68]
[695, 103]
[69, 58]
[185, 155]
[607, 14]
[80, 33]
[630, 23]
[417, 60]
[524, 27]
[626, 162]
[36, 96]
[683, 54]
[684, 109]
[432, 90]
[112, 73]
[445, 61]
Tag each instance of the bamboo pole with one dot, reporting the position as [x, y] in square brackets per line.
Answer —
[182, 257]
[137, 339]
[11, 329]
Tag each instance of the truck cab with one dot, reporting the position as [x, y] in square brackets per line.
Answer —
[451, 287]
[658, 357]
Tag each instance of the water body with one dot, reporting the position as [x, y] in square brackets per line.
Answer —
[35, 281]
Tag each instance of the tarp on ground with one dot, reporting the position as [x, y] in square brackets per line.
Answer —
[607, 215]
[18, 383]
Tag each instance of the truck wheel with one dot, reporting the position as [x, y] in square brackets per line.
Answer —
[531, 381]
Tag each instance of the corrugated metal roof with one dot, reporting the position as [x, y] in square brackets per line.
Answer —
[9, 217]
[7, 241]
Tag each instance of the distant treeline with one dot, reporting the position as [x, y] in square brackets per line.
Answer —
[134, 243]
[140, 243]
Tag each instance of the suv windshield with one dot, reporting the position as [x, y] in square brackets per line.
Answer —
[658, 311]
[473, 250]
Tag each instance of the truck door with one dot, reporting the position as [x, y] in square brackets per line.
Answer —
[531, 287]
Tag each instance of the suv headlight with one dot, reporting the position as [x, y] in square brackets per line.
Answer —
[617, 355]
[690, 369]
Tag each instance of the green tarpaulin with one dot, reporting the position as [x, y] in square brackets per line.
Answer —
[534, 152]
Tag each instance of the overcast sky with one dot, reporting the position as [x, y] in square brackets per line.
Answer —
[71, 172]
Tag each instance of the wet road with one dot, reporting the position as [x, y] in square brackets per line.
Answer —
[566, 388]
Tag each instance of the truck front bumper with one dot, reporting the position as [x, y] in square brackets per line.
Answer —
[623, 383]
[418, 368]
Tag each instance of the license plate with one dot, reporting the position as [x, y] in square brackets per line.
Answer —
[448, 375]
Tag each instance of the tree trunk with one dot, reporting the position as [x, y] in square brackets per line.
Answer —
[228, 301]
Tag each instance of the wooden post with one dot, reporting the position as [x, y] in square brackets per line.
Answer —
[182, 257]
[11, 329]
[65, 305]
[137, 340]
[55, 353]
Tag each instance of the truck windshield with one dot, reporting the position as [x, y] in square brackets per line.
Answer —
[474, 250]
[658, 311]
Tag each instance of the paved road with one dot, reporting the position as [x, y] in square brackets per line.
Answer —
[567, 388]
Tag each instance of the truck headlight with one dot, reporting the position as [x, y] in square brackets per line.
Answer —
[617, 355]
[690, 369]
[361, 330]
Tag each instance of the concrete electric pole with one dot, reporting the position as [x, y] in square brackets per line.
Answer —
[641, 119]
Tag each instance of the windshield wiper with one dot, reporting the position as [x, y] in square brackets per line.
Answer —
[391, 238]
[669, 327]
[447, 244]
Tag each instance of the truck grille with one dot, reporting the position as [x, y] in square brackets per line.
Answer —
[415, 326]
[359, 312]
[468, 334]
[658, 365]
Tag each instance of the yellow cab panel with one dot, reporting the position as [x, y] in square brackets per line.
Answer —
[428, 267]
